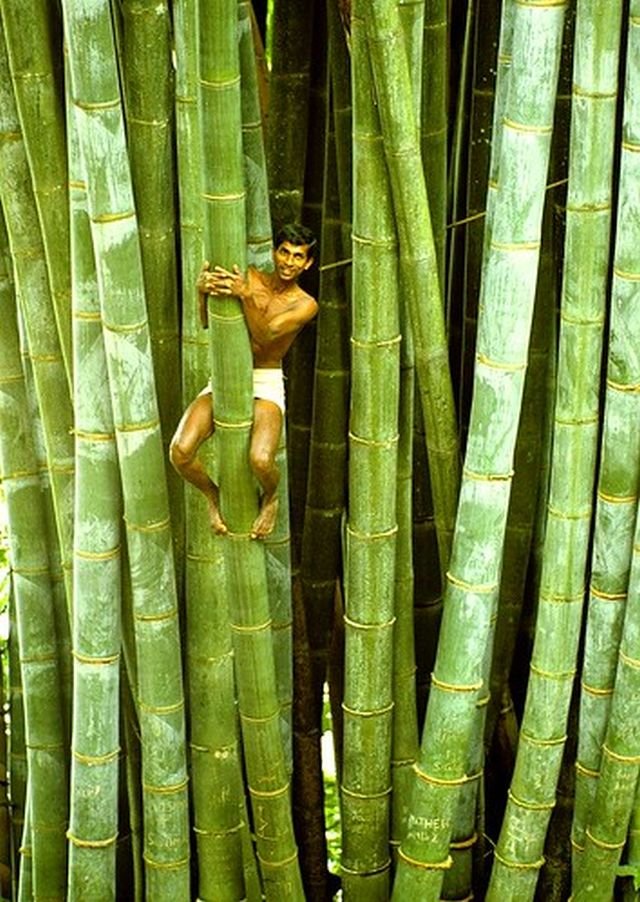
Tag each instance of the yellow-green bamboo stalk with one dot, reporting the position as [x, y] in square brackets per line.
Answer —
[32, 34]
[99, 119]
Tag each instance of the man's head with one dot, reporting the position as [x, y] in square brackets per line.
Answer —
[293, 251]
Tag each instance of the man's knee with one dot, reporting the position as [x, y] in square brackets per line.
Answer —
[262, 461]
[180, 453]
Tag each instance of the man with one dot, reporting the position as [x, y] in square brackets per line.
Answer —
[275, 309]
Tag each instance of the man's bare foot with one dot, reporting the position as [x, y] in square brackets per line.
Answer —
[218, 526]
[266, 519]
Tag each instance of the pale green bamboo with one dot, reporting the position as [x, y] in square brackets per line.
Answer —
[32, 34]
[618, 480]
[473, 576]
[606, 835]
[575, 435]
[413, 21]
[44, 730]
[32, 288]
[371, 526]
[93, 828]
[417, 260]
[98, 115]
[224, 194]
[5, 804]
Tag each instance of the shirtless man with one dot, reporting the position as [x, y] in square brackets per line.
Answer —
[275, 309]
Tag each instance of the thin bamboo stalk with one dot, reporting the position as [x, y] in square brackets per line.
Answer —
[17, 744]
[98, 111]
[473, 576]
[433, 121]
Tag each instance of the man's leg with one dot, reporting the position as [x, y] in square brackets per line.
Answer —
[195, 427]
[265, 437]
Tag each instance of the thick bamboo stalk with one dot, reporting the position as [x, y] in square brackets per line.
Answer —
[575, 435]
[44, 730]
[371, 527]
[224, 194]
[33, 35]
[473, 576]
[93, 828]
[417, 261]
[114, 230]
[433, 121]
[17, 743]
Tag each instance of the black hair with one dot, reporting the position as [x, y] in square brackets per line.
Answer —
[296, 234]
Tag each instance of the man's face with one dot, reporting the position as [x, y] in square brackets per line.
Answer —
[291, 260]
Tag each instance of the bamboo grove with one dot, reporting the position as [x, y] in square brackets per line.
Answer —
[453, 579]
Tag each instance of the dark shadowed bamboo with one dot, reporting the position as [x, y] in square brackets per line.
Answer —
[224, 195]
[433, 121]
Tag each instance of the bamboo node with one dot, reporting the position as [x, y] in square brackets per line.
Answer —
[165, 865]
[622, 759]
[327, 266]
[519, 865]
[237, 535]
[219, 84]
[221, 833]
[543, 743]
[11, 379]
[631, 662]
[577, 421]
[581, 321]
[631, 146]
[531, 806]
[167, 790]
[226, 319]
[106, 218]
[562, 599]
[162, 123]
[91, 843]
[426, 865]
[625, 277]
[619, 386]
[257, 720]
[375, 713]
[21, 474]
[455, 687]
[383, 793]
[93, 436]
[98, 555]
[389, 243]
[138, 427]
[525, 127]
[480, 588]
[269, 793]
[227, 424]
[94, 760]
[241, 628]
[578, 91]
[607, 596]
[374, 443]
[368, 626]
[30, 571]
[552, 674]
[578, 847]
[278, 864]
[214, 750]
[160, 709]
[98, 659]
[373, 343]
[500, 365]
[595, 690]
[45, 358]
[617, 499]
[371, 536]
[158, 526]
[368, 872]
[224, 198]
[443, 781]
[464, 843]
[561, 515]
[487, 477]
[96, 106]
[586, 771]
[89, 316]
[603, 844]
[38, 659]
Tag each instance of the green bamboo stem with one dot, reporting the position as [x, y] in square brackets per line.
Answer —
[371, 526]
[618, 483]
[417, 261]
[473, 577]
[606, 835]
[17, 742]
[414, 28]
[99, 119]
[195, 344]
[93, 829]
[32, 289]
[25, 878]
[575, 435]
[32, 35]
[5, 804]
[44, 730]
[224, 194]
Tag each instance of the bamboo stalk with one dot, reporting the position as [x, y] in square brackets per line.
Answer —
[98, 110]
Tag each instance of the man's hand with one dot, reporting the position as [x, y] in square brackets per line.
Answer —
[218, 281]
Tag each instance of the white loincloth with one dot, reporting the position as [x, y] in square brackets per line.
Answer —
[268, 385]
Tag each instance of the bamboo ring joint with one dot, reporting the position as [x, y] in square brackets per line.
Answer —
[91, 843]
[519, 865]
[455, 687]
[426, 865]
[603, 844]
